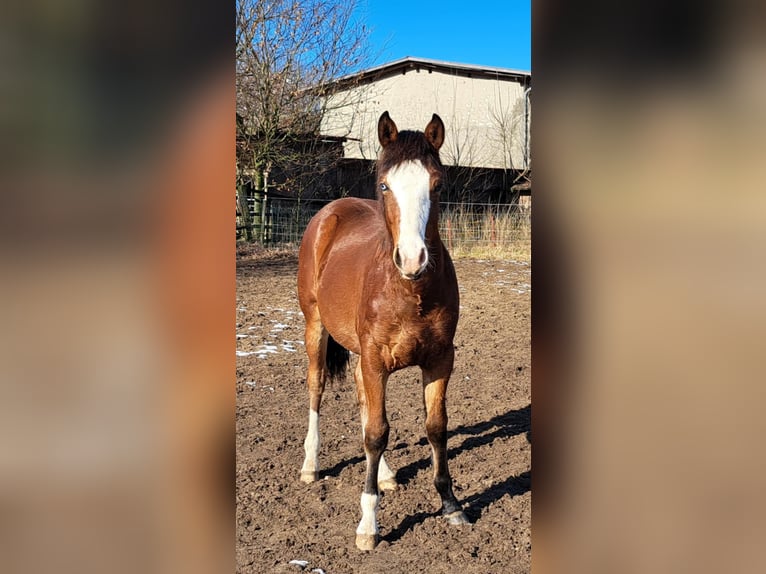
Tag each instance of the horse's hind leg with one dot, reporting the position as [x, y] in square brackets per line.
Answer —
[316, 348]
[386, 476]
[435, 382]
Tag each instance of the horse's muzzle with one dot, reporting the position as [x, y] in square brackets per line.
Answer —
[411, 268]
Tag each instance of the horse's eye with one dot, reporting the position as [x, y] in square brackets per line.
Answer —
[383, 187]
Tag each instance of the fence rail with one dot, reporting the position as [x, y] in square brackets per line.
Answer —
[466, 228]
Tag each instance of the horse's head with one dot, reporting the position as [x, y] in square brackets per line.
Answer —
[409, 176]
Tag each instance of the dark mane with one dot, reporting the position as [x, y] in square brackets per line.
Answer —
[408, 145]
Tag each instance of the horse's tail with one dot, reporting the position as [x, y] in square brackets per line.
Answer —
[336, 359]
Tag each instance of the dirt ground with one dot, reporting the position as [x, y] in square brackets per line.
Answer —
[280, 519]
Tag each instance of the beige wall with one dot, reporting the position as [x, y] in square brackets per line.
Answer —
[484, 118]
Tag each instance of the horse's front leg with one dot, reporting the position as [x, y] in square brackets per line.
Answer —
[386, 476]
[435, 379]
[371, 390]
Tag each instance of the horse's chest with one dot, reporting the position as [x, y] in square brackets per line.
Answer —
[415, 339]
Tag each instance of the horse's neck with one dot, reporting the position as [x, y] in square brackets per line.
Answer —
[433, 239]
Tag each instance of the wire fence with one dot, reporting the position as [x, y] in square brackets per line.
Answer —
[486, 229]
[471, 229]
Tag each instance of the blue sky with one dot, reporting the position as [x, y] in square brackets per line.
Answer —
[488, 33]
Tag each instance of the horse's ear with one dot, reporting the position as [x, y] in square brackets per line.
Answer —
[435, 132]
[387, 131]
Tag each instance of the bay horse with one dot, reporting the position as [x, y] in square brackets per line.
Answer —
[374, 278]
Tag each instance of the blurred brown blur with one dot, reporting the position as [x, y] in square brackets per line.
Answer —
[650, 225]
[117, 289]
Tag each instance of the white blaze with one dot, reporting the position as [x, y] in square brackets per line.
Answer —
[410, 183]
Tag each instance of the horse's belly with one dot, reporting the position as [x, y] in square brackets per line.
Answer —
[341, 327]
[338, 297]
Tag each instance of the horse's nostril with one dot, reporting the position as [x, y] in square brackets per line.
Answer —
[397, 257]
[423, 257]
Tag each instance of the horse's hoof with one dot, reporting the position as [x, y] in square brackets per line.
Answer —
[389, 484]
[457, 517]
[366, 541]
[309, 476]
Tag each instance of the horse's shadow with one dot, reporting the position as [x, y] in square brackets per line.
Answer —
[511, 423]
[334, 470]
[472, 506]
[506, 425]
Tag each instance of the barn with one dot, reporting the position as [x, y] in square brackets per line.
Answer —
[486, 112]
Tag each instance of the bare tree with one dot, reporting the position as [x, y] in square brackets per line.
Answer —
[510, 123]
[288, 53]
[461, 151]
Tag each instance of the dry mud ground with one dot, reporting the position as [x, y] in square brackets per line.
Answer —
[280, 519]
